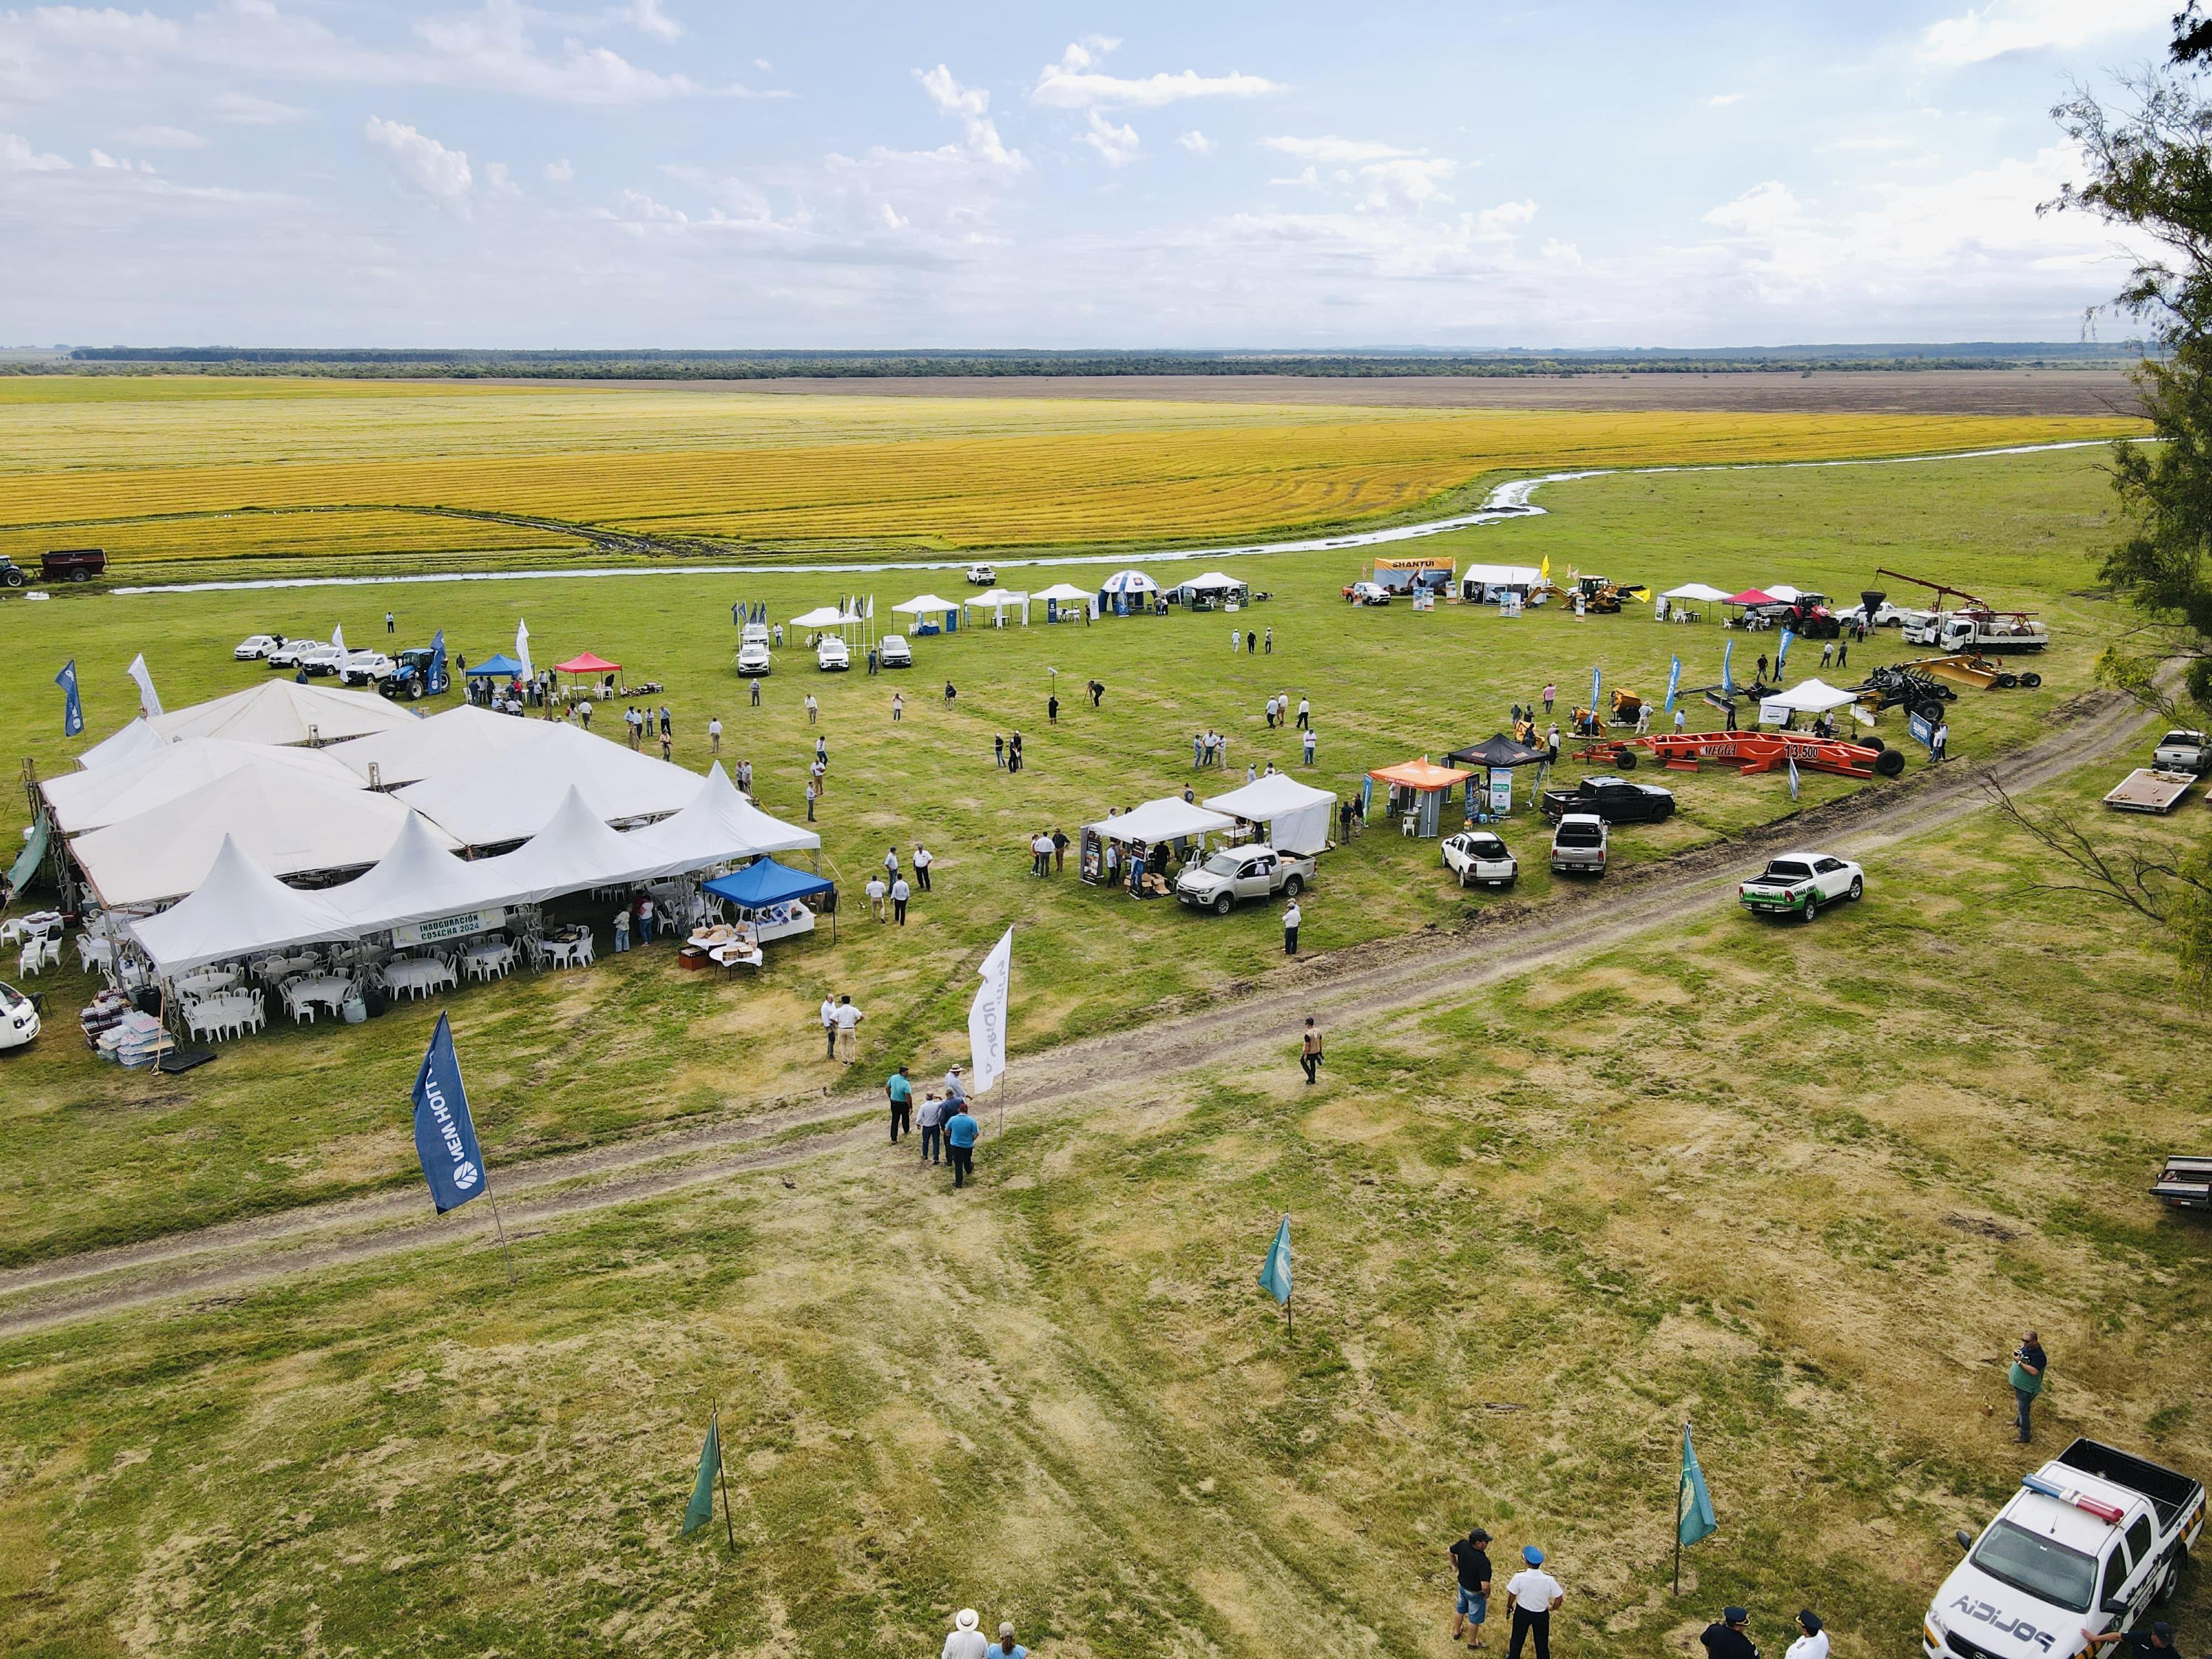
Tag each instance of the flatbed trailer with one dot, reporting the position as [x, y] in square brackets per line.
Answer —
[2148, 790]
[1752, 752]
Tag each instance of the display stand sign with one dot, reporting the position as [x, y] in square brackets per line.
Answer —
[1509, 604]
[1501, 790]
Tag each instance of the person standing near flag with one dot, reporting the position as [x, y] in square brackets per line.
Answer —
[1471, 1561]
[961, 1132]
[1536, 1595]
[1726, 1639]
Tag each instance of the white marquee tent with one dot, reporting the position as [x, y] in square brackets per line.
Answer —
[1066, 593]
[924, 604]
[1297, 814]
[1784, 592]
[287, 823]
[135, 742]
[1487, 581]
[516, 794]
[87, 800]
[1703, 592]
[1806, 697]
[718, 826]
[1169, 818]
[285, 711]
[415, 880]
[574, 850]
[824, 616]
[460, 739]
[239, 909]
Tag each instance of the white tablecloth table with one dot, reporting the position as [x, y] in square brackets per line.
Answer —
[489, 960]
[416, 976]
[206, 984]
[277, 968]
[569, 952]
[304, 995]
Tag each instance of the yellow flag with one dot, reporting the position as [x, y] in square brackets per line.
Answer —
[1545, 570]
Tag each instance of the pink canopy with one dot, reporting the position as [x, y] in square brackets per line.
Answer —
[1752, 595]
[587, 664]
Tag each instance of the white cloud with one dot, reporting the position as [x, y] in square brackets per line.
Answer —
[1196, 142]
[973, 105]
[1332, 148]
[1501, 220]
[1309, 179]
[162, 138]
[1116, 146]
[243, 109]
[498, 181]
[423, 165]
[494, 49]
[1723, 99]
[1761, 210]
[1075, 83]
[646, 17]
[17, 155]
[764, 66]
[559, 173]
[2005, 26]
[1406, 183]
[641, 209]
[1870, 144]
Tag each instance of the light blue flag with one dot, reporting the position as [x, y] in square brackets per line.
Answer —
[1275, 1270]
[1783, 655]
[1698, 1516]
[1728, 680]
[1674, 684]
[1593, 690]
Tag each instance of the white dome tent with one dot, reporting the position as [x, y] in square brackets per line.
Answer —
[1119, 590]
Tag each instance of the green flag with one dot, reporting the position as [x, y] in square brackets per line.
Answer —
[1695, 1520]
[703, 1490]
[1275, 1270]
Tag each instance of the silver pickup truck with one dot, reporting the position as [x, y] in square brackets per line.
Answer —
[1242, 872]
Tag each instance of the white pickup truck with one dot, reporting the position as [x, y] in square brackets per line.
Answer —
[2183, 751]
[2088, 1543]
[1242, 872]
[1962, 632]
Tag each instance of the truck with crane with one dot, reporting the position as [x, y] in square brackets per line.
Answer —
[1972, 626]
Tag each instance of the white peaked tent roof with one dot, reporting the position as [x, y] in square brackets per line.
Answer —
[1704, 592]
[1165, 819]
[134, 741]
[1278, 794]
[1809, 697]
[1784, 592]
[1063, 592]
[238, 910]
[1502, 575]
[87, 800]
[517, 793]
[575, 850]
[459, 739]
[719, 825]
[285, 711]
[1213, 582]
[288, 823]
[1128, 582]
[824, 615]
[999, 596]
[924, 604]
[415, 880]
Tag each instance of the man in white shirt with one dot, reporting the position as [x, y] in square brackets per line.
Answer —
[876, 891]
[1291, 917]
[921, 863]
[1814, 1644]
[828, 1028]
[965, 1641]
[900, 894]
[1305, 714]
[848, 1024]
[714, 735]
[1535, 1595]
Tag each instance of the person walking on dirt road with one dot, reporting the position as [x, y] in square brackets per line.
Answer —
[961, 1131]
[1310, 1051]
[899, 1090]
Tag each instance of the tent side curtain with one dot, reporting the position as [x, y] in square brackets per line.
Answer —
[758, 885]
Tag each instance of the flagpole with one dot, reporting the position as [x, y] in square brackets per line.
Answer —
[1679, 1484]
[728, 1526]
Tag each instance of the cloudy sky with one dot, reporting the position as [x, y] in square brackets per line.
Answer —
[673, 173]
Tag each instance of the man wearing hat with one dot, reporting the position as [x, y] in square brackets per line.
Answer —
[1726, 1640]
[2158, 1639]
[1471, 1559]
[1814, 1644]
[965, 1641]
[1536, 1595]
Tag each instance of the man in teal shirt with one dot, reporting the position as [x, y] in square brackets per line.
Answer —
[901, 1097]
[960, 1132]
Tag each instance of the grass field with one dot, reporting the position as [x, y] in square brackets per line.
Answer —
[166, 472]
[94, 1157]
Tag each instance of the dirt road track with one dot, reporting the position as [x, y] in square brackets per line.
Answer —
[1342, 988]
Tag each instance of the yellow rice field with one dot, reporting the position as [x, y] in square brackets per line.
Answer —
[165, 469]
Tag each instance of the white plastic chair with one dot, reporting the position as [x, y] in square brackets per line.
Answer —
[27, 963]
[50, 951]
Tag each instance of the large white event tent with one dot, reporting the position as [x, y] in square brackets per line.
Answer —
[289, 825]
[460, 739]
[718, 826]
[1297, 814]
[285, 711]
[1703, 592]
[239, 909]
[1169, 818]
[516, 794]
[417, 880]
[135, 742]
[79, 801]
[1806, 698]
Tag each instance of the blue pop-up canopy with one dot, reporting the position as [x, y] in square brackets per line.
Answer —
[493, 667]
[759, 885]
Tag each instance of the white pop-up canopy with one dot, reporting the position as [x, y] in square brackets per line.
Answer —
[285, 711]
[1169, 818]
[516, 794]
[824, 616]
[924, 604]
[718, 826]
[1065, 593]
[1213, 582]
[1502, 575]
[460, 739]
[1297, 814]
[1784, 592]
[239, 909]
[135, 742]
[999, 596]
[87, 800]
[1806, 697]
[1128, 582]
[415, 880]
[1704, 592]
[287, 823]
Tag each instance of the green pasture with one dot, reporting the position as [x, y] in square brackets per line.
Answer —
[89, 1156]
[1802, 1185]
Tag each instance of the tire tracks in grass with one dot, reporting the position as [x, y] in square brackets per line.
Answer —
[1254, 1019]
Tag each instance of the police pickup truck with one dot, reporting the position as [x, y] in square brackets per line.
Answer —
[2088, 1543]
[1242, 872]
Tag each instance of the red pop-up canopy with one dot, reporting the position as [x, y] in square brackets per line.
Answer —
[1752, 595]
[587, 664]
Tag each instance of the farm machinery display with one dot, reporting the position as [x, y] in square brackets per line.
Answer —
[1974, 627]
[1751, 753]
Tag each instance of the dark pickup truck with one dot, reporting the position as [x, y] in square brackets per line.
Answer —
[1614, 800]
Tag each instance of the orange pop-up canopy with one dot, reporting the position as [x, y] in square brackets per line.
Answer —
[587, 664]
[1420, 774]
